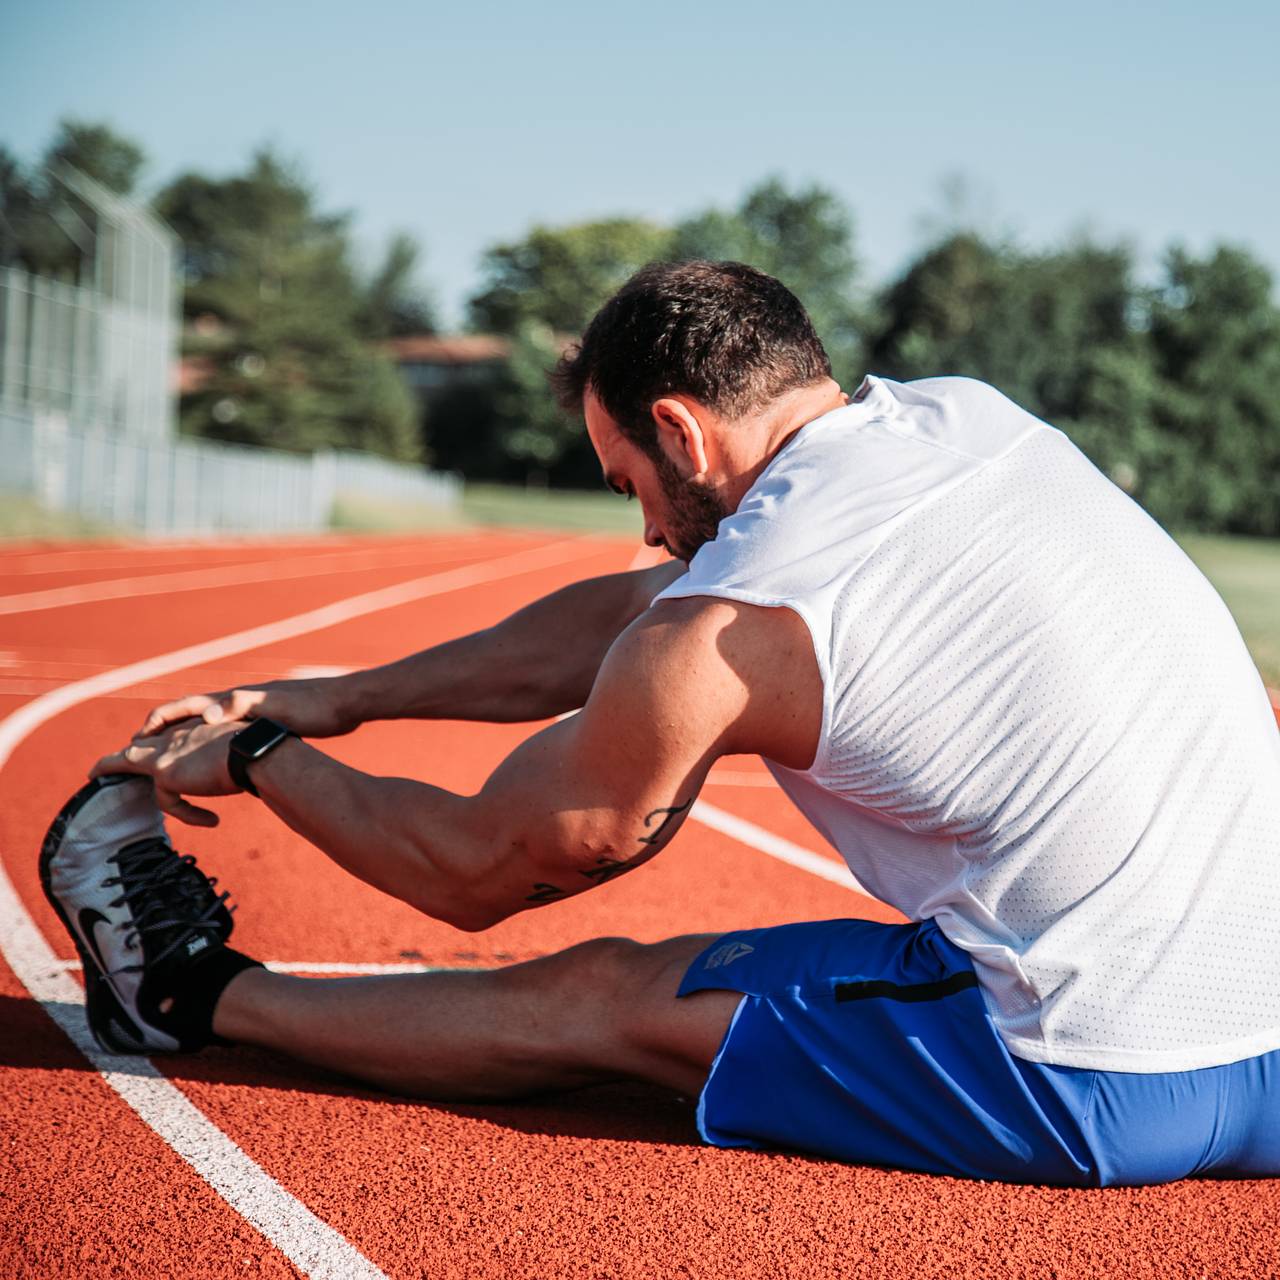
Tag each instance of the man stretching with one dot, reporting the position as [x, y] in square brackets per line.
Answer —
[987, 677]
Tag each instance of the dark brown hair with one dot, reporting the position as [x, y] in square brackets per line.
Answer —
[726, 334]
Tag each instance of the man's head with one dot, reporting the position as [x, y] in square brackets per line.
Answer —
[685, 376]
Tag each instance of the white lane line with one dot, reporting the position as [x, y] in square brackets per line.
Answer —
[353, 967]
[309, 1243]
[229, 575]
[744, 832]
[775, 846]
[358, 967]
[31, 715]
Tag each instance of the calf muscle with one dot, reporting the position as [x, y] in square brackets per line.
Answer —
[603, 1010]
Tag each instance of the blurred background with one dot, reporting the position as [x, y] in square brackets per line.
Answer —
[285, 266]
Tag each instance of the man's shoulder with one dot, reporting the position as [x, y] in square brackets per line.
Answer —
[759, 661]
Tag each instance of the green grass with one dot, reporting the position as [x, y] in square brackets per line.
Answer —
[551, 508]
[495, 504]
[21, 518]
[365, 515]
[1246, 573]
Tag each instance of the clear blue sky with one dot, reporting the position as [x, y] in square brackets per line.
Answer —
[464, 123]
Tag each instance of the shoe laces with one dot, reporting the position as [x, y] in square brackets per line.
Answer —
[165, 892]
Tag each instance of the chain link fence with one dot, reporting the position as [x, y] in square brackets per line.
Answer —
[193, 487]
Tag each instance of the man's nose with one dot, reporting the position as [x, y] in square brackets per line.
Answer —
[652, 535]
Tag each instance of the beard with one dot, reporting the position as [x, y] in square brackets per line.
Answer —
[694, 510]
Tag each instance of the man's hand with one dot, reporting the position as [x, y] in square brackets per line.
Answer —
[310, 708]
[188, 759]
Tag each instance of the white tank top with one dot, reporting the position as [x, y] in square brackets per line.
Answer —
[1040, 725]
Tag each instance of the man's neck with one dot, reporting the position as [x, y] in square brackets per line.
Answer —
[776, 425]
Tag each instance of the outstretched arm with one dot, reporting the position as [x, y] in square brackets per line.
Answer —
[539, 662]
[577, 804]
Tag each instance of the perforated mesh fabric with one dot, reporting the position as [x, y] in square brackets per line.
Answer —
[1041, 726]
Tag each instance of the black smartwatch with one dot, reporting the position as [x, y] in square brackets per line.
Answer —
[255, 740]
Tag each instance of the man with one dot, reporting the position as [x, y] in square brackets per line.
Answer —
[988, 678]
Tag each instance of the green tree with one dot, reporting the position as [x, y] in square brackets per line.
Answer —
[533, 431]
[98, 152]
[44, 227]
[1034, 325]
[1215, 341]
[1060, 332]
[559, 276]
[1168, 389]
[393, 304]
[269, 280]
[29, 237]
[548, 286]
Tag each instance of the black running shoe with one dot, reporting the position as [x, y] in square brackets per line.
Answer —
[148, 925]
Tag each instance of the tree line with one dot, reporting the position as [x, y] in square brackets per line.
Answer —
[1168, 384]
[281, 332]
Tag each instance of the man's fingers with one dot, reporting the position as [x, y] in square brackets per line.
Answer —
[137, 757]
[171, 712]
[235, 705]
[212, 708]
[176, 807]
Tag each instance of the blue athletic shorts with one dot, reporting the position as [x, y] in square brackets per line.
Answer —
[872, 1043]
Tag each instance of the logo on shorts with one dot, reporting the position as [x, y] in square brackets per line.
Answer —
[727, 954]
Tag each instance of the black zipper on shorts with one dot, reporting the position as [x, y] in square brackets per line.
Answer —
[878, 989]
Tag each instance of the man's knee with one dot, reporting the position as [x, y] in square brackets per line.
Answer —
[623, 996]
[589, 977]
[610, 992]
[601, 962]
[619, 972]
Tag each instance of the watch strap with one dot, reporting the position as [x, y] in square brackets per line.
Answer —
[238, 768]
[257, 739]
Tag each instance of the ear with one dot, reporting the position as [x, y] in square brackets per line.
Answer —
[682, 434]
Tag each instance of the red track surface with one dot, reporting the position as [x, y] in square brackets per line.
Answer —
[609, 1182]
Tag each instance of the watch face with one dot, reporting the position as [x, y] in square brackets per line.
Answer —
[258, 737]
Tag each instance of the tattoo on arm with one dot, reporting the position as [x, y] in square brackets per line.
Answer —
[545, 893]
[610, 868]
[671, 815]
[606, 869]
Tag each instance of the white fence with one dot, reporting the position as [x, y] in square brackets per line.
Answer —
[188, 486]
[100, 351]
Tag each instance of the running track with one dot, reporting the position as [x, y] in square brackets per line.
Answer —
[238, 1163]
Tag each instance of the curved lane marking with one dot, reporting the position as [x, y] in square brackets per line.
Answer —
[309, 1243]
[793, 855]
[362, 968]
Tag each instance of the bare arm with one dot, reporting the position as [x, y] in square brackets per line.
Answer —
[585, 799]
[537, 663]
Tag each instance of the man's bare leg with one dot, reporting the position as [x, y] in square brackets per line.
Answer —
[603, 1010]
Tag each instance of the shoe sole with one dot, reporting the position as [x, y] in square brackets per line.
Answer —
[102, 1005]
